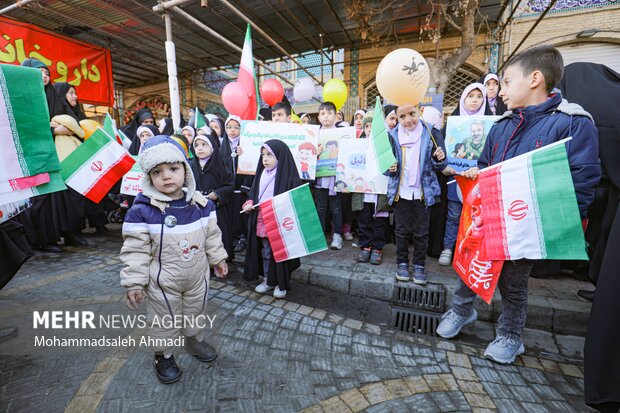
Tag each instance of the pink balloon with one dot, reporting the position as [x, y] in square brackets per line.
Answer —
[235, 98]
[272, 91]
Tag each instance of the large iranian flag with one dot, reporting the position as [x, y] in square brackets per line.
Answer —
[96, 165]
[530, 208]
[292, 224]
[247, 77]
[28, 162]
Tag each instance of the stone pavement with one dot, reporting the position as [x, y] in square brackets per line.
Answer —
[553, 304]
[274, 356]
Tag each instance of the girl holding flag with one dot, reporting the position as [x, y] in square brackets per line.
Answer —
[275, 174]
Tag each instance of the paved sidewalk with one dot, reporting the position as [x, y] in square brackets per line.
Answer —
[275, 356]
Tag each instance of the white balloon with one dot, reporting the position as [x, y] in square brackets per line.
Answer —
[303, 89]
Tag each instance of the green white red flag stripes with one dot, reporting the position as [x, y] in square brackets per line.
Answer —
[380, 148]
[530, 208]
[199, 120]
[247, 77]
[96, 165]
[292, 224]
[26, 143]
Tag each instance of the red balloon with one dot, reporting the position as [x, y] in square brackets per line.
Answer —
[272, 91]
[235, 98]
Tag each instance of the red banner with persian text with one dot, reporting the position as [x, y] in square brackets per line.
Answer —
[87, 67]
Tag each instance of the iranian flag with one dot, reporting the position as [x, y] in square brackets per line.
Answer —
[29, 164]
[96, 165]
[530, 208]
[199, 120]
[247, 78]
[292, 224]
[380, 156]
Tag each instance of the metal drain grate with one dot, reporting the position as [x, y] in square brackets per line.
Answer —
[414, 321]
[431, 297]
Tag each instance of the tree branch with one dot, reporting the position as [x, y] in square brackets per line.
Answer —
[449, 19]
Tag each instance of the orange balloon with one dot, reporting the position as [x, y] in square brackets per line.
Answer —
[89, 126]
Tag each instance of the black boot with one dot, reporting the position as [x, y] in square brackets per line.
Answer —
[166, 369]
[586, 295]
[202, 350]
[55, 248]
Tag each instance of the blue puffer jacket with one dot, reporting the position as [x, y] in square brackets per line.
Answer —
[526, 129]
[430, 185]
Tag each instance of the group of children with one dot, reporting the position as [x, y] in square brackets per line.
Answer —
[172, 235]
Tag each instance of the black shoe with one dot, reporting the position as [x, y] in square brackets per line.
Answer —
[166, 369]
[101, 230]
[51, 248]
[364, 255]
[76, 240]
[202, 350]
[240, 245]
[586, 295]
[6, 332]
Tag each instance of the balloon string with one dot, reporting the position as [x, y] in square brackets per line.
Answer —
[431, 134]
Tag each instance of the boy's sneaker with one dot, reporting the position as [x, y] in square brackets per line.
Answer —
[336, 242]
[202, 350]
[445, 259]
[376, 257]
[347, 236]
[452, 323]
[166, 369]
[364, 255]
[278, 293]
[262, 288]
[402, 272]
[504, 349]
[419, 276]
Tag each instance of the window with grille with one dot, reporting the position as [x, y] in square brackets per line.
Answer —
[370, 93]
[460, 81]
[463, 77]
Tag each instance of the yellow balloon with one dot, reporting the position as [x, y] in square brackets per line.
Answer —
[335, 91]
[89, 126]
[295, 118]
[403, 77]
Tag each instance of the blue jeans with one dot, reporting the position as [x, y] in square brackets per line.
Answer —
[512, 286]
[452, 224]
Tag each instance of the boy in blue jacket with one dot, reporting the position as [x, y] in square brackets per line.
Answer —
[537, 116]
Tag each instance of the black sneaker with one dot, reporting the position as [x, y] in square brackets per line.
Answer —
[364, 255]
[55, 248]
[166, 369]
[202, 350]
[240, 245]
[76, 240]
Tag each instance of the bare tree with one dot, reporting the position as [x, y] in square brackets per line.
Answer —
[460, 15]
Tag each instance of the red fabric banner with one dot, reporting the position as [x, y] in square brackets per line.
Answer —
[470, 263]
[87, 67]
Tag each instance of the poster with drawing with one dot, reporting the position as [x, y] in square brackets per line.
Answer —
[132, 180]
[329, 139]
[302, 140]
[352, 175]
[465, 138]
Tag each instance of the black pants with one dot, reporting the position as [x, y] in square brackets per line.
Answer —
[371, 228]
[334, 203]
[412, 220]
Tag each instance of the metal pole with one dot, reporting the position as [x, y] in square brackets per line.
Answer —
[321, 51]
[228, 43]
[173, 82]
[18, 4]
[165, 5]
[266, 36]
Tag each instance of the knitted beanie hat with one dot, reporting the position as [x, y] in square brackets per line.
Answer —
[367, 119]
[163, 149]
